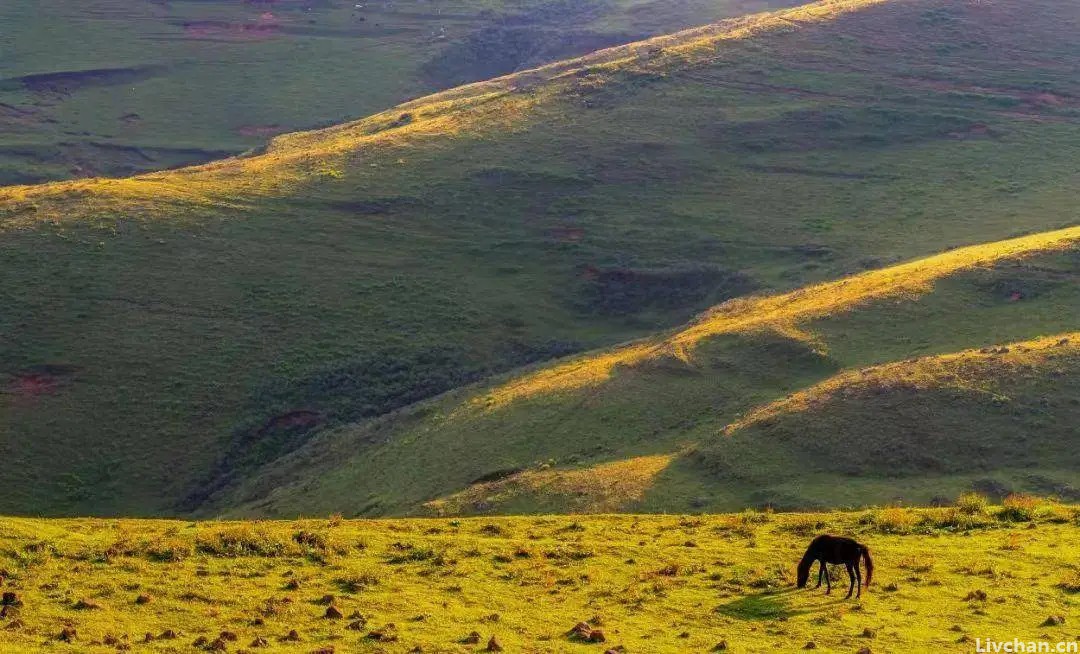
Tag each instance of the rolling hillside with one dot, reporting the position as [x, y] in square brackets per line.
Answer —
[705, 417]
[1009, 410]
[114, 87]
[264, 334]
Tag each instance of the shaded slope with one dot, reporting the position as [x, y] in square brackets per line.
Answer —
[211, 320]
[997, 418]
[669, 400]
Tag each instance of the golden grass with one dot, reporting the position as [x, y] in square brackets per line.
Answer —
[238, 182]
[784, 313]
[658, 584]
[501, 104]
[978, 370]
[605, 488]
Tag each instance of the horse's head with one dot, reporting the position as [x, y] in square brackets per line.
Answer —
[803, 570]
[804, 575]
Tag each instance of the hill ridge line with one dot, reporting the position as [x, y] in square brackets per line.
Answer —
[292, 158]
[616, 484]
[781, 313]
[1031, 351]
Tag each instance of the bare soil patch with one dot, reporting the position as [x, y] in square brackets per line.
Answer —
[260, 130]
[223, 30]
[45, 379]
[292, 420]
[568, 234]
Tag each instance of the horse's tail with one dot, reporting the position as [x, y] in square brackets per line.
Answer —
[869, 564]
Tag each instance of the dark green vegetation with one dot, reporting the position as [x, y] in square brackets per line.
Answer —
[112, 87]
[170, 363]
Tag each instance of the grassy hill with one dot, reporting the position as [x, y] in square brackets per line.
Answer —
[113, 87]
[665, 584]
[190, 340]
[808, 398]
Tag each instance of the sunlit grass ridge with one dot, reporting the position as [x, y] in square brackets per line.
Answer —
[782, 313]
[290, 160]
[609, 487]
[982, 370]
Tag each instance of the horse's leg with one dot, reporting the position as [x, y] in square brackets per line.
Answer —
[851, 578]
[858, 580]
[828, 582]
[820, 573]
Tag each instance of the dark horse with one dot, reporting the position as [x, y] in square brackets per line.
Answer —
[835, 549]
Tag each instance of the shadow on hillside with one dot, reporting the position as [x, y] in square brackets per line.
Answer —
[768, 605]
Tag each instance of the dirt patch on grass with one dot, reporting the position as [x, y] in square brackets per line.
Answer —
[260, 130]
[568, 234]
[977, 130]
[292, 420]
[131, 119]
[222, 30]
[46, 379]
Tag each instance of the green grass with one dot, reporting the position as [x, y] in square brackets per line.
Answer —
[872, 446]
[196, 314]
[660, 584]
[968, 419]
[192, 81]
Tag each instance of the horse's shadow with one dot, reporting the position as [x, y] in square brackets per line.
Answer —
[771, 605]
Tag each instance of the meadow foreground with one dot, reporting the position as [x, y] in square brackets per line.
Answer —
[943, 577]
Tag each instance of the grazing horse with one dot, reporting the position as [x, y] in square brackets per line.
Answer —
[835, 549]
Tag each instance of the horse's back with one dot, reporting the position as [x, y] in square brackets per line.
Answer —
[829, 539]
[837, 549]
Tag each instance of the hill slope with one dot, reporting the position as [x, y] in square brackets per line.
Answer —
[656, 424]
[167, 335]
[112, 87]
[648, 583]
